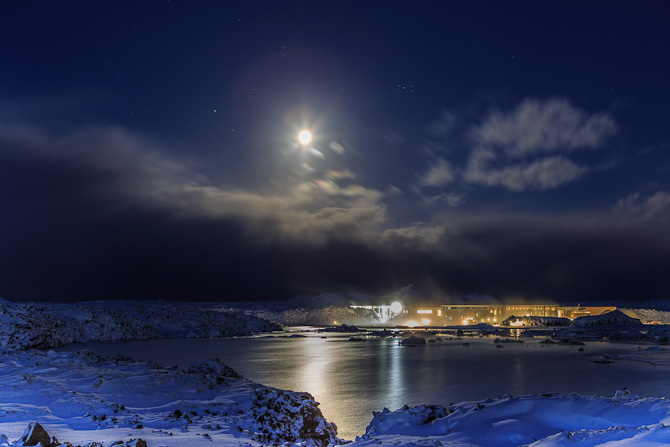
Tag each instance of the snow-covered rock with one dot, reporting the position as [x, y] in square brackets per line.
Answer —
[651, 316]
[323, 316]
[535, 321]
[343, 328]
[284, 416]
[546, 420]
[213, 367]
[48, 325]
[91, 400]
[413, 340]
[614, 318]
[34, 434]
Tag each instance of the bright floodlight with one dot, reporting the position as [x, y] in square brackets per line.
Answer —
[396, 307]
[305, 136]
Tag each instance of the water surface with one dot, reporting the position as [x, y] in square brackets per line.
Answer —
[351, 379]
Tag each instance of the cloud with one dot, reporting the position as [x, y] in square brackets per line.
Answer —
[449, 198]
[105, 213]
[537, 126]
[545, 173]
[393, 190]
[336, 147]
[118, 166]
[658, 205]
[332, 174]
[568, 258]
[528, 148]
[447, 122]
[439, 174]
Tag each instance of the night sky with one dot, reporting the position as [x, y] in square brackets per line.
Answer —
[149, 149]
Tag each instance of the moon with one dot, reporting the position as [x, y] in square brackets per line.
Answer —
[305, 136]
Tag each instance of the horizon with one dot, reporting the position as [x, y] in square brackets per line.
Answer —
[427, 299]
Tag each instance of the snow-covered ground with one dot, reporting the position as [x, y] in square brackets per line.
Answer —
[550, 420]
[321, 316]
[81, 398]
[49, 325]
[84, 399]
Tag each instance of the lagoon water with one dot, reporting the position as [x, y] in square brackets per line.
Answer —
[351, 379]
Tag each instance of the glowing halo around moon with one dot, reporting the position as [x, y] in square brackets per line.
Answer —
[305, 137]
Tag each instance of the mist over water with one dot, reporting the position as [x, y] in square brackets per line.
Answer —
[353, 379]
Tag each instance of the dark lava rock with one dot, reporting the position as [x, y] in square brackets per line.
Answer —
[35, 434]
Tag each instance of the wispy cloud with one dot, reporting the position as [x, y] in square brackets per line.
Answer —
[538, 126]
[542, 174]
[450, 198]
[106, 213]
[120, 167]
[440, 173]
[527, 148]
[654, 206]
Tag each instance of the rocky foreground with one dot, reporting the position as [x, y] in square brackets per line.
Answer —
[88, 399]
[54, 399]
[51, 325]
[92, 401]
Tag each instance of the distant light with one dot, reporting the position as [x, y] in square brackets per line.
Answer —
[305, 136]
[465, 322]
[411, 324]
[425, 321]
[396, 307]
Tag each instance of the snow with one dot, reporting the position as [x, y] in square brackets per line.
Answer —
[614, 318]
[343, 328]
[49, 325]
[545, 420]
[649, 315]
[320, 316]
[535, 321]
[81, 398]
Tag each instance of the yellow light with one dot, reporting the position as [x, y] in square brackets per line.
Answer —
[305, 136]
[465, 322]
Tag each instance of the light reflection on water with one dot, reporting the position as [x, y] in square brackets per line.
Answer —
[352, 379]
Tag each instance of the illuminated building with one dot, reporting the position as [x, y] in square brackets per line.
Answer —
[464, 314]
